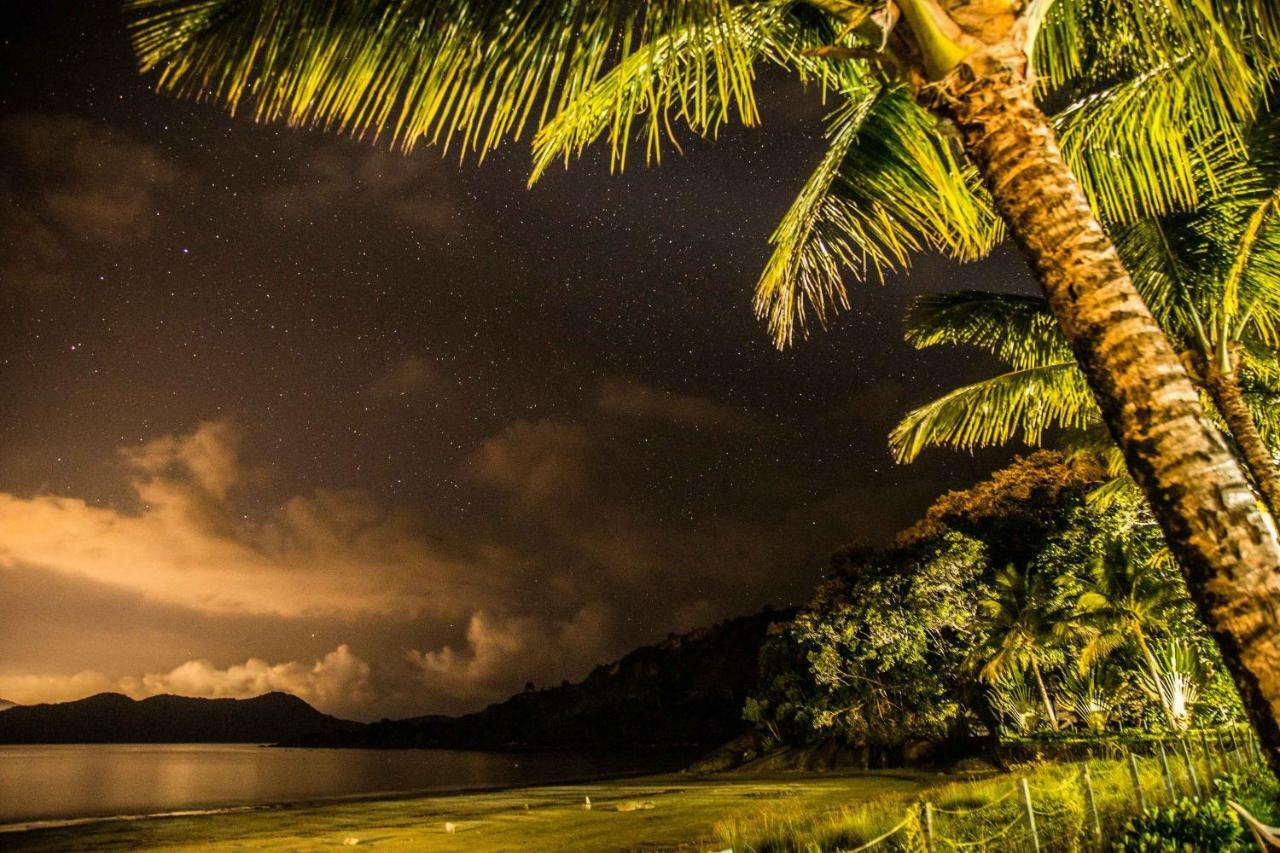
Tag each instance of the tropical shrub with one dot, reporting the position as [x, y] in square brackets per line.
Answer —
[1183, 827]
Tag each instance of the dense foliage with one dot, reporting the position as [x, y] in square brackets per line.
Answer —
[1015, 607]
[1185, 825]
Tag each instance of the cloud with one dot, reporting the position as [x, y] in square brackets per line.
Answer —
[327, 552]
[340, 678]
[338, 681]
[344, 179]
[69, 184]
[543, 463]
[636, 400]
[193, 573]
[410, 376]
[502, 651]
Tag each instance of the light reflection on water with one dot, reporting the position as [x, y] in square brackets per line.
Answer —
[80, 780]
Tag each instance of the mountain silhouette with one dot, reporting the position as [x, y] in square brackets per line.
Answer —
[115, 718]
[685, 692]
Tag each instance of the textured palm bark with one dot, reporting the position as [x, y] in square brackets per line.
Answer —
[1224, 388]
[1196, 489]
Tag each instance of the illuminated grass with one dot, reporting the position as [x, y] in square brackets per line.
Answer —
[685, 813]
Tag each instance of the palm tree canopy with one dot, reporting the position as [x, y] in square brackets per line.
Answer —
[1211, 276]
[1128, 598]
[1025, 617]
[1147, 98]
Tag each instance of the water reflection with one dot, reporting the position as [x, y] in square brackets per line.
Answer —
[77, 780]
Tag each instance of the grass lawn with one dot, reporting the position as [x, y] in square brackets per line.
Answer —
[684, 812]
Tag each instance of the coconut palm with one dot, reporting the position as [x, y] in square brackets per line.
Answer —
[1145, 87]
[1212, 276]
[1127, 600]
[1025, 619]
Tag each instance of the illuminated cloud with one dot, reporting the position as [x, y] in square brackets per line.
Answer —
[410, 376]
[68, 183]
[542, 462]
[328, 552]
[501, 651]
[344, 179]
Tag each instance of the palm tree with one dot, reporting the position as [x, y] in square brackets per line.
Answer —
[1211, 277]
[1025, 619]
[1012, 697]
[1178, 680]
[1127, 599]
[476, 72]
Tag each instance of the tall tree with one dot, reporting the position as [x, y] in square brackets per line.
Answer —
[1210, 275]
[1025, 619]
[478, 71]
[1128, 600]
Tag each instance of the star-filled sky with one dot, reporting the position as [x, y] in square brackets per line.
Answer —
[286, 411]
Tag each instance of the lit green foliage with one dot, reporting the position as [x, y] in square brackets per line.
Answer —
[1211, 276]
[888, 186]
[1018, 582]
[474, 71]
[1093, 696]
[1255, 788]
[1146, 97]
[1185, 826]
[878, 656]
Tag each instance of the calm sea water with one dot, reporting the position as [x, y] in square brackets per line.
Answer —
[60, 781]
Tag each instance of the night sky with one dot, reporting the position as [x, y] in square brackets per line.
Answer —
[287, 411]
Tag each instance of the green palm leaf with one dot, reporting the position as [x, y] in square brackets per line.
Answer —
[474, 71]
[1019, 330]
[994, 411]
[888, 186]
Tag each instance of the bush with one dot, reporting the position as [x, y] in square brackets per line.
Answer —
[1256, 789]
[1185, 826]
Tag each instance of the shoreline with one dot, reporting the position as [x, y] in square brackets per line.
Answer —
[44, 823]
[652, 810]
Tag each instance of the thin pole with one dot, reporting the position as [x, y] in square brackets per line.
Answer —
[1191, 767]
[1168, 777]
[1137, 783]
[1208, 756]
[1030, 813]
[928, 826]
[1086, 782]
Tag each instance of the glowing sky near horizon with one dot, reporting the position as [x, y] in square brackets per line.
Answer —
[282, 411]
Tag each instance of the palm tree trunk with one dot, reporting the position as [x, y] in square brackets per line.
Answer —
[1195, 487]
[1224, 388]
[1044, 695]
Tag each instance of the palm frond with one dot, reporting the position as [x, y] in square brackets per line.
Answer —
[1019, 330]
[1018, 403]
[888, 186]
[1149, 97]
[1150, 145]
[1161, 257]
[637, 91]
[1264, 405]
[474, 71]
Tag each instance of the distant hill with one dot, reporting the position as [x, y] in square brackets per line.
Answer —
[115, 718]
[5, 704]
[687, 691]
